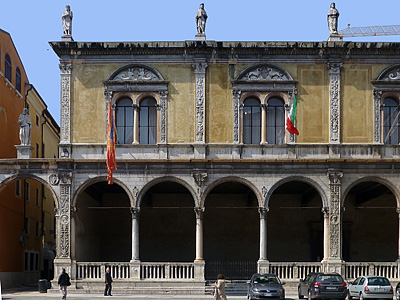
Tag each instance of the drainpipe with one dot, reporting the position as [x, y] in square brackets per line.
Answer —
[29, 86]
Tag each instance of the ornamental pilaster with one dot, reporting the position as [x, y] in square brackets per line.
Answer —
[335, 184]
[200, 100]
[65, 127]
[377, 116]
[236, 115]
[334, 102]
[64, 216]
[163, 112]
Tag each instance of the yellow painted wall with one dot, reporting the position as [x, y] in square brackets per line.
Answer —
[357, 104]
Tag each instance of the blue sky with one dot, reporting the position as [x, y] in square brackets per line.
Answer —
[32, 24]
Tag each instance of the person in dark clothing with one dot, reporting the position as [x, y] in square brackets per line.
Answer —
[107, 291]
[63, 282]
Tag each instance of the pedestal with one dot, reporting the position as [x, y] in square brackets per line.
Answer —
[24, 151]
[134, 266]
[200, 37]
[67, 38]
[334, 37]
[263, 266]
[199, 267]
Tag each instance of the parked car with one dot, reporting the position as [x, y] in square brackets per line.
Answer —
[368, 287]
[322, 286]
[398, 291]
[263, 286]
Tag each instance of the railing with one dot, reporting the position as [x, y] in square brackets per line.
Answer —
[354, 269]
[93, 270]
[180, 271]
[293, 270]
[233, 270]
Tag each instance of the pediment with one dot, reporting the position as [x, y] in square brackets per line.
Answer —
[390, 74]
[138, 73]
[264, 73]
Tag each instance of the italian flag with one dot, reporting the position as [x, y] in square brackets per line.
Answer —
[292, 117]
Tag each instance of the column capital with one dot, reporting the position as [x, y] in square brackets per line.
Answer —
[135, 211]
[199, 66]
[199, 211]
[65, 68]
[335, 176]
[325, 211]
[263, 212]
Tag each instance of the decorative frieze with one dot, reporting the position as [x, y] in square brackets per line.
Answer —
[200, 105]
[334, 102]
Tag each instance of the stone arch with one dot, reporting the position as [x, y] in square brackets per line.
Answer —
[33, 177]
[380, 180]
[312, 182]
[155, 181]
[237, 179]
[97, 179]
[284, 96]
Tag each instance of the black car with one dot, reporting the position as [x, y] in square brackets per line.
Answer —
[263, 286]
[322, 286]
[397, 292]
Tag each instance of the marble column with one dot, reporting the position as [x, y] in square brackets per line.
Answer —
[135, 124]
[325, 211]
[135, 233]
[65, 126]
[263, 232]
[199, 233]
[264, 123]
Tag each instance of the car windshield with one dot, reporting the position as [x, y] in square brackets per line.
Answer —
[329, 278]
[378, 281]
[266, 279]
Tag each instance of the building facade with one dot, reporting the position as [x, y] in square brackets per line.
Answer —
[27, 250]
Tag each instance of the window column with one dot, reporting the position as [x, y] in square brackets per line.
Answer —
[264, 123]
[135, 124]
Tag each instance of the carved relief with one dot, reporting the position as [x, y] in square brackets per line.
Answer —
[64, 219]
[335, 181]
[65, 102]
[136, 74]
[236, 114]
[200, 68]
[163, 108]
[54, 179]
[264, 73]
[334, 103]
[377, 116]
[199, 178]
[391, 75]
[199, 211]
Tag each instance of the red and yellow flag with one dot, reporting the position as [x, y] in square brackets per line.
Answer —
[111, 162]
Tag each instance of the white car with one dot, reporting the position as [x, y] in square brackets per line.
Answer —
[370, 287]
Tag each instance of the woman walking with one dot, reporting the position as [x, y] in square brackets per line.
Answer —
[220, 288]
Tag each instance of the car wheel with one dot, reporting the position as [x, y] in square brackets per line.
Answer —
[348, 295]
[300, 295]
[398, 293]
[309, 295]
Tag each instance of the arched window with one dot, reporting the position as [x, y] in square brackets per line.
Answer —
[8, 67]
[148, 122]
[251, 121]
[124, 121]
[391, 121]
[275, 121]
[18, 79]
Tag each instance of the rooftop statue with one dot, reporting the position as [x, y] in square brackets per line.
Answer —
[67, 20]
[333, 15]
[201, 18]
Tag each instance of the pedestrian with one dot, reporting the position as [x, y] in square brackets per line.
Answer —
[220, 288]
[63, 282]
[107, 291]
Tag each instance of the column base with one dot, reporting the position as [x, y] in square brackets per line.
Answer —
[134, 266]
[263, 266]
[333, 265]
[24, 151]
[199, 267]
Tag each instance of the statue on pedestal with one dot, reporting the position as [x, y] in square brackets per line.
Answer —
[333, 15]
[25, 125]
[201, 18]
[67, 20]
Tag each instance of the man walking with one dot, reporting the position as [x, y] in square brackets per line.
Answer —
[107, 291]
